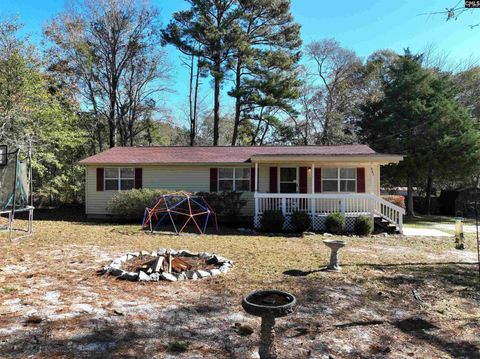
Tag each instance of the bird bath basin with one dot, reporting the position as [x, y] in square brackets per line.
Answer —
[268, 304]
[334, 246]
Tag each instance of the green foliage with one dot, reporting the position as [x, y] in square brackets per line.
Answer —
[335, 223]
[363, 226]
[34, 107]
[419, 116]
[8, 289]
[396, 200]
[225, 204]
[178, 346]
[300, 221]
[130, 205]
[265, 59]
[208, 30]
[272, 221]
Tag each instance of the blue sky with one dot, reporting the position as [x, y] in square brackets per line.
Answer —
[363, 26]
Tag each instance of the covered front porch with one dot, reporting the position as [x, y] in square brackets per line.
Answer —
[350, 186]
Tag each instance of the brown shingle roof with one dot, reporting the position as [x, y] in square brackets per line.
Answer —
[220, 154]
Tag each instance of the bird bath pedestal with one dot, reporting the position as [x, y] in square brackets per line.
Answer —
[334, 245]
[268, 304]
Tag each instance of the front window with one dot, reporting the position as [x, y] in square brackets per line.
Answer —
[234, 179]
[339, 180]
[288, 180]
[119, 179]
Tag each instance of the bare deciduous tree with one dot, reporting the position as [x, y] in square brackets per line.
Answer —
[338, 72]
[110, 50]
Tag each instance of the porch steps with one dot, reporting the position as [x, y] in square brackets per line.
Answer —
[385, 226]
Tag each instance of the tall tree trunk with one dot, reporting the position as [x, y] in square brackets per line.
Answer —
[131, 134]
[428, 192]
[195, 105]
[410, 210]
[238, 105]
[99, 136]
[216, 107]
[112, 121]
[193, 99]
[257, 130]
[112, 130]
[190, 101]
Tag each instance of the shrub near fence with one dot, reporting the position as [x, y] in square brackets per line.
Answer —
[363, 226]
[227, 205]
[335, 223]
[272, 221]
[300, 221]
[130, 205]
[396, 200]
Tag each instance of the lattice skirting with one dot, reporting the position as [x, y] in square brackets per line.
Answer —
[318, 223]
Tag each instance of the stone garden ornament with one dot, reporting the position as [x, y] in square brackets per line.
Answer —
[268, 305]
[334, 246]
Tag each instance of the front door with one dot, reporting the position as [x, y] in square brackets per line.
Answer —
[288, 180]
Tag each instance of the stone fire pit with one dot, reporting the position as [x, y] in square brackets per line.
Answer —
[167, 264]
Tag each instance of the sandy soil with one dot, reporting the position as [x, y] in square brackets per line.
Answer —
[394, 299]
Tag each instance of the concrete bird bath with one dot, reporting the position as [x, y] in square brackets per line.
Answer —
[268, 304]
[334, 246]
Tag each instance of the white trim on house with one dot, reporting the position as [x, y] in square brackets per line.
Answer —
[339, 179]
[118, 178]
[297, 177]
[352, 159]
[234, 178]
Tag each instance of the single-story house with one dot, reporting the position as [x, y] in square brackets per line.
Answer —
[315, 179]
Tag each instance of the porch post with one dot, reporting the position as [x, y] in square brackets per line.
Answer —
[256, 177]
[372, 179]
[373, 201]
[313, 178]
[313, 203]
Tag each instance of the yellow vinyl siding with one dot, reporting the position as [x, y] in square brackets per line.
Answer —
[175, 178]
[264, 175]
[197, 178]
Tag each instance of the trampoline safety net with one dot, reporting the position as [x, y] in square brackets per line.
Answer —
[13, 176]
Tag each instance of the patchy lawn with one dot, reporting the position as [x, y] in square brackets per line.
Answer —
[396, 297]
[442, 223]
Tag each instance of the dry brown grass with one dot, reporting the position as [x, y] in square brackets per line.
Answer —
[363, 312]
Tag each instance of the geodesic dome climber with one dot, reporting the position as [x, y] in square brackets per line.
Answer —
[179, 210]
[15, 189]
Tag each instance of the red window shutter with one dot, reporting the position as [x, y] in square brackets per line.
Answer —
[138, 178]
[100, 177]
[318, 180]
[213, 179]
[361, 180]
[302, 183]
[273, 179]
[252, 179]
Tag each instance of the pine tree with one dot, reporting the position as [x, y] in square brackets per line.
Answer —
[420, 117]
[264, 24]
[209, 30]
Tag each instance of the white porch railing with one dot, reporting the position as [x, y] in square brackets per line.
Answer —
[319, 204]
